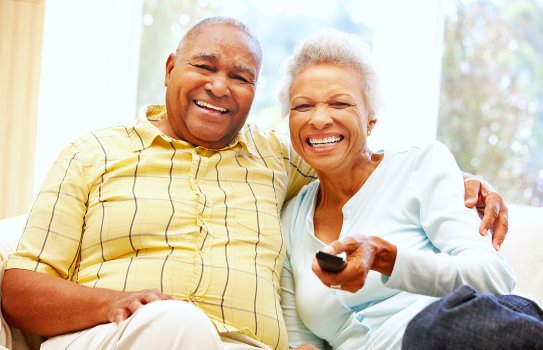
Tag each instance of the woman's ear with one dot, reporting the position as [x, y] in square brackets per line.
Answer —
[371, 125]
[170, 63]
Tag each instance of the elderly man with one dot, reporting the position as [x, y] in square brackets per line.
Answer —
[167, 234]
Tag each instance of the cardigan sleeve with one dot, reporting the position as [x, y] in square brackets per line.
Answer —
[461, 255]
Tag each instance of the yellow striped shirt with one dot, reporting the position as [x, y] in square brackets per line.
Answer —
[129, 208]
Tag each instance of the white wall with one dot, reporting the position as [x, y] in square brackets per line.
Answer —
[89, 72]
[408, 42]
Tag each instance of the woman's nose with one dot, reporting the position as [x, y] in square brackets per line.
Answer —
[321, 118]
[218, 86]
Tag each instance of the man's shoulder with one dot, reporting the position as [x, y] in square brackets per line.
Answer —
[256, 130]
[105, 138]
[261, 138]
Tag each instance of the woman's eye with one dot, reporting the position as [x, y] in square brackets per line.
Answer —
[304, 107]
[340, 104]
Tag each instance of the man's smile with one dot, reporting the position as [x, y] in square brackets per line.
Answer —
[208, 106]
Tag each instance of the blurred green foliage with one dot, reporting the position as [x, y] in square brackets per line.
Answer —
[491, 107]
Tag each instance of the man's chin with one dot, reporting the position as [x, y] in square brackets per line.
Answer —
[211, 141]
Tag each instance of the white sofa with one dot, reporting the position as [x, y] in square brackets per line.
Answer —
[522, 248]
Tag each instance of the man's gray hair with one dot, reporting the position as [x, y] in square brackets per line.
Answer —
[334, 47]
[192, 31]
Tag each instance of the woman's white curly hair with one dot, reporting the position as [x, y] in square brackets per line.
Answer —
[333, 47]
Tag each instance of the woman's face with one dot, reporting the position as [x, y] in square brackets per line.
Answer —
[328, 117]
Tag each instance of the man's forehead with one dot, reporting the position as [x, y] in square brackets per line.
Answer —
[214, 57]
[219, 41]
[219, 32]
[210, 41]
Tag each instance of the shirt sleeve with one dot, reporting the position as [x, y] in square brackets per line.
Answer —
[299, 172]
[51, 239]
[462, 256]
[298, 333]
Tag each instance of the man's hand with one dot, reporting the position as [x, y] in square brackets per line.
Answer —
[128, 303]
[491, 208]
[48, 305]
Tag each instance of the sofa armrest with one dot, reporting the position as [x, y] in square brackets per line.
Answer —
[522, 249]
[10, 232]
[13, 338]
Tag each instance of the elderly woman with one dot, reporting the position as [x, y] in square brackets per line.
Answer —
[398, 216]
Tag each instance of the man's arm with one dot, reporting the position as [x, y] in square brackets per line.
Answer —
[49, 305]
[490, 205]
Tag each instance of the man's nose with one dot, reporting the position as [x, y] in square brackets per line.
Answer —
[218, 86]
[321, 118]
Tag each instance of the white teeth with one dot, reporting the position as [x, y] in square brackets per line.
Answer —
[325, 141]
[207, 105]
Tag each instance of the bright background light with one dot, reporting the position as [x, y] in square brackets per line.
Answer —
[102, 59]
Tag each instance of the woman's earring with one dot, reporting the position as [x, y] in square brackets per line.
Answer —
[369, 132]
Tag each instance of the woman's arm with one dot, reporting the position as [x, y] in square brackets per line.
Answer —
[298, 333]
[461, 255]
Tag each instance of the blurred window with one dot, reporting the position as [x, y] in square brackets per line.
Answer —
[487, 55]
[491, 103]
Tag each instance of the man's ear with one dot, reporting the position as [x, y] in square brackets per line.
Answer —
[170, 63]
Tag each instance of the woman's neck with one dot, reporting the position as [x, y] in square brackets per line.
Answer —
[339, 185]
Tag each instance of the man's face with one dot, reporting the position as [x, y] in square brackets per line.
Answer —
[210, 86]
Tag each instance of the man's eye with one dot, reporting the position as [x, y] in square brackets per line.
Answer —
[304, 107]
[240, 78]
[204, 67]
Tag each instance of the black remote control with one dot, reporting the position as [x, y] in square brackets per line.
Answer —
[329, 262]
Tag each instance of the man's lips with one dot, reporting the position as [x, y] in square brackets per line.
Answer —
[209, 106]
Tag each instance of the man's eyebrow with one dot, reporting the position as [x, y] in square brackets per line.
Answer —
[245, 69]
[214, 58]
[205, 56]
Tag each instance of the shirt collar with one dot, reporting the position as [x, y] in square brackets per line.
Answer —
[144, 133]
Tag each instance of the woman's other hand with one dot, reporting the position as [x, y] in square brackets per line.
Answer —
[490, 205]
[364, 253]
[305, 347]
